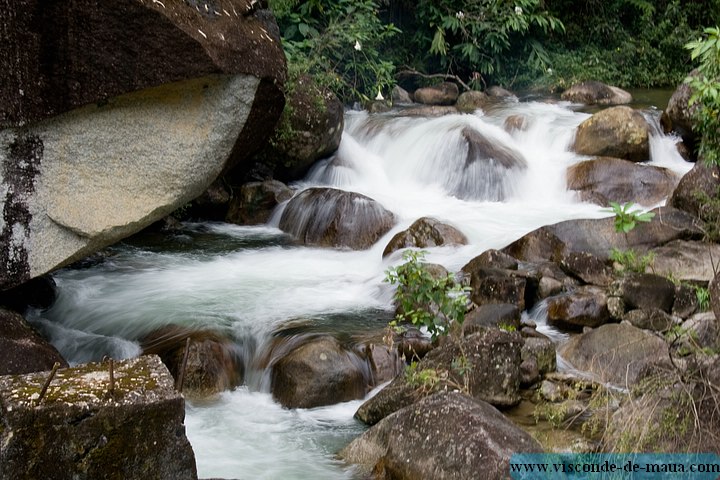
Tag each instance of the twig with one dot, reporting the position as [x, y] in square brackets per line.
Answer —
[111, 390]
[47, 381]
[435, 75]
[181, 374]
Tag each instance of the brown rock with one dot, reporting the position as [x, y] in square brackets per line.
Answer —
[256, 202]
[592, 92]
[445, 93]
[619, 132]
[472, 100]
[424, 233]
[584, 307]
[22, 349]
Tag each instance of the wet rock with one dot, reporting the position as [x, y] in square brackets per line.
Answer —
[445, 93]
[499, 92]
[385, 363]
[488, 170]
[39, 292]
[616, 353]
[598, 236]
[95, 151]
[472, 100]
[650, 319]
[548, 287]
[584, 307]
[212, 204]
[400, 96]
[412, 345]
[81, 430]
[645, 291]
[587, 267]
[515, 123]
[699, 184]
[309, 129]
[593, 92]
[690, 261]
[428, 111]
[22, 349]
[445, 436]
[542, 351]
[213, 363]
[319, 372]
[334, 218]
[604, 180]
[500, 315]
[618, 132]
[678, 116]
[256, 202]
[424, 233]
[486, 362]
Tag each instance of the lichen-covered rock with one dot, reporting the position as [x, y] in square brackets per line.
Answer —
[700, 183]
[256, 202]
[593, 92]
[487, 362]
[22, 350]
[619, 132]
[616, 353]
[494, 285]
[319, 372]
[330, 217]
[604, 180]
[445, 93]
[691, 261]
[83, 430]
[444, 436]
[502, 315]
[645, 291]
[424, 233]
[93, 151]
[587, 267]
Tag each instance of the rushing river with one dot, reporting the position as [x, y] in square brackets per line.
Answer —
[252, 281]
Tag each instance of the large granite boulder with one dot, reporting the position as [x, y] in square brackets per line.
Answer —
[84, 429]
[445, 93]
[424, 233]
[22, 350]
[114, 115]
[690, 261]
[604, 180]
[444, 436]
[330, 217]
[593, 92]
[598, 236]
[619, 132]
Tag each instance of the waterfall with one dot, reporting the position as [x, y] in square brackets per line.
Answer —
[250, 283]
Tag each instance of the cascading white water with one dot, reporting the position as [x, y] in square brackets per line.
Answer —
[251, 281]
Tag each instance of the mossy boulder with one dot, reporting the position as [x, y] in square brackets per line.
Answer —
[619, 132]
[84, 429]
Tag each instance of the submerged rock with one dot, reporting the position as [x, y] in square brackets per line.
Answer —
[619, 132]
[319, 372]
[444, 436]
[82, 429]
[330, 217]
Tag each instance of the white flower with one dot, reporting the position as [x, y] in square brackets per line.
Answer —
[460, 15]
[549, 71]
[379, 95]
[358, 47]
[518, 10]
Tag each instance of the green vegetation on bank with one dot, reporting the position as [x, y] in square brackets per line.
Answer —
[361, 47]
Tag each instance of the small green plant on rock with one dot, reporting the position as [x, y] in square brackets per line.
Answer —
[630, 261]
[627, 219]
[425, 300]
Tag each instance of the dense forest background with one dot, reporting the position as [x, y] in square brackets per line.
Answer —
[358, 48]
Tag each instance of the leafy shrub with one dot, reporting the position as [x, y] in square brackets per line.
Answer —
[424, 300]
[706, 94]
[629, 261]
[626, 219]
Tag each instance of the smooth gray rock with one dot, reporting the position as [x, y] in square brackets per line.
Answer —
[97, 174]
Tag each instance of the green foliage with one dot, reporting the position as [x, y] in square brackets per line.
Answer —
[339, 42]
[703, 298]
[629, 261]
[425, 379]
[627, 219]
[424, 300]
[475, 35]
[709, 213]
[706, 94]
